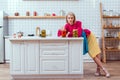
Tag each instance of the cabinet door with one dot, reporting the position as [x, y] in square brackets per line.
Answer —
[32, 57]
[54, 57]
[17, 58]
[7, 49]
[1, 46]
[53, 65]
[76, 57]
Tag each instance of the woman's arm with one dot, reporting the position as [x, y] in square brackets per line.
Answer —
[59, 33]
[79, 25]
[67, 28]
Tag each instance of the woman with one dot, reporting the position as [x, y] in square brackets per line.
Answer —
[93, 47]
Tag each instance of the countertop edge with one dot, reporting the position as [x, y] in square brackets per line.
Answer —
[46, 38]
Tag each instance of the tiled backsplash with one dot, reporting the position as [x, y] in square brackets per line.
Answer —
[86, 10]
[28, 26]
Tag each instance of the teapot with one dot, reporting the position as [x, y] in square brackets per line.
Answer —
[62, 13]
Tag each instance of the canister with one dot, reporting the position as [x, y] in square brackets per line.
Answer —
[43, 33]
[63, 33]
[75, 33]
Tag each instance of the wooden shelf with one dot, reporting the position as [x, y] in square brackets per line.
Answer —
[36, 17]
[105, 20]
[107, 38]
[112, 49]
[111, 27]
[110, 16]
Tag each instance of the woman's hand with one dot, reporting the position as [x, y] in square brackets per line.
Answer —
[67, 34]
[60, 31]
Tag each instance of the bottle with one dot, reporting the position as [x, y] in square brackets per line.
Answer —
[35, 13]
[27, 13]
[37, 31]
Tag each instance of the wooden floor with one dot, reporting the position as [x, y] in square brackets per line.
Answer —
[89, 69]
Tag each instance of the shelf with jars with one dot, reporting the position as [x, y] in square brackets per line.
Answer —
[36, 17]
[110, 32]
[104, 16]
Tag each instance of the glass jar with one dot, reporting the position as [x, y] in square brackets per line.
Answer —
[27, 13]
[75, 33]
[63, 33]
[104, 12]
[111, 13]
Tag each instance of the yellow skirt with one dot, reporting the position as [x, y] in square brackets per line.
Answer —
[93, 47]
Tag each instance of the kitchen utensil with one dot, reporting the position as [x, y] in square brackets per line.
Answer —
[30, 34]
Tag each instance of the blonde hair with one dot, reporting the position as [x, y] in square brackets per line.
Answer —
[71, 14]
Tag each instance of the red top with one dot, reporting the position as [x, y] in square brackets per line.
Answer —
[77, 25]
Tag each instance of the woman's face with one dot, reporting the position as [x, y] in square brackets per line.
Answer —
[70, 19]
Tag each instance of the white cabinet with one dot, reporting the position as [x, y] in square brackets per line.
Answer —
[75, 57]
[47, 57]
[17, 57]
[54, 57]
[31, 57]
[7, 50]
[25, 57]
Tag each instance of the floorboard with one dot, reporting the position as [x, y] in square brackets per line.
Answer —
[89, 69]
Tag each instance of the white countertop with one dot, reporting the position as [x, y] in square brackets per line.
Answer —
[45, 38]
[7, 36]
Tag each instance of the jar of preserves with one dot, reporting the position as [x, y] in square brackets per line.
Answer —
[34, 13]
[16, 14]
[75, 33]
[43, 33]
[27, 13]
[63, 33]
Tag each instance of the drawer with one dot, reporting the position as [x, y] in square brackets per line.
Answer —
[44, 44]
[53, 66]
[54, 51]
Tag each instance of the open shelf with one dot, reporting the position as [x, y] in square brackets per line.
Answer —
[112, 49]
[111, 27]
[111, 16]
[108, 27]
[36, 17]
[111, 38]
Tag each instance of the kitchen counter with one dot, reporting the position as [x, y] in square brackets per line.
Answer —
[7, 37]
[45, 38]
[49, 57]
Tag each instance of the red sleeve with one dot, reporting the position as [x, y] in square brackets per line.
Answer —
[87, 32]
[66, 28]
[59, 33]
[79, 24]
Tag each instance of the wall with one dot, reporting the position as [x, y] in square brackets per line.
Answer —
[3, 5]
[86, 10]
